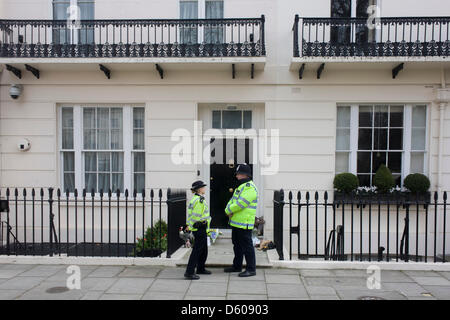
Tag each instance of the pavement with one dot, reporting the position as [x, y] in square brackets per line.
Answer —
[42, 282]
[151, 282]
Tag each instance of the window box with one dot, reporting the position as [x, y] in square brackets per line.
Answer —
[371, 197]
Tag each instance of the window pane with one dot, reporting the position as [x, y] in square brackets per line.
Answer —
[232, 119]
[214, 10]
[343, 117]
[104, 161]
[365, 116]
[188, 10]
[138, 139]
[69, 161]
[88, 118]
[342, 139]
[419, 116]
[67, 117]
[396, 116]
[89, 139]
[90, 181]
[139, 162]
[138, 118]
[342, 162]
[139, 182]
[69, 182]
[103, 139]
[104, 182]
[418, 139]
[247, 119]
[90, 162]
[395, 162]
[216, 120]
[117, 161]
[67, 138]
[417, 162]
[116, 118]
[364, 180]
[378, 159]
[365, 139]
[116, 139]
[381, 116]
[117, 181]
[396, 139]
[103, 118]
[380, 139]
[363, 162]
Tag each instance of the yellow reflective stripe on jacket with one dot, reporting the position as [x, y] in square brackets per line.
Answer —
[198, 211]
[242, 206]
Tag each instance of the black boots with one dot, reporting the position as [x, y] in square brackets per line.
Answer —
[231, 269]
[191, 276]
[247, 273]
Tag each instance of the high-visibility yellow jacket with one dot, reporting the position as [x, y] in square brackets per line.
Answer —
[198, 211]
[242, 206]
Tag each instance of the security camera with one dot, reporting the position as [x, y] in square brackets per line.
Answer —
[24, 145]
[15, 91]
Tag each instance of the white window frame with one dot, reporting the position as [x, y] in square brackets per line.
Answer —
[407, 129]
[78, 148]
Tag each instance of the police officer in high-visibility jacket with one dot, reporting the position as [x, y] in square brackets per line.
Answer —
[241, 210]
[198, 222]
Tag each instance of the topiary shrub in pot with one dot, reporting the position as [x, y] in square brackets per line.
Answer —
[417, 183]
[383, 179]
[345, 182]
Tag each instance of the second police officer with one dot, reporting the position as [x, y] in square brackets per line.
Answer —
[241, 211]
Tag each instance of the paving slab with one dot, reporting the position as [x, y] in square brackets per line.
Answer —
[10, 294]
[394, 276]
[320, 291]
[421, 273]
[139, 272]
[170, 285]
[253, 297]
[106, 271]
[97, 284]
[286, 291]
[356, 294]
[283, 278]
[334, 281]
[432, 281]
[40, 292]
[63, 275]
[440, 292]
[43, 271]
[316, 273]
[8, 274]
[258, 277]
[163, 295]
[406, 289]
[445, 274]
[92, 295]
[108, 296]
[21, 283]
[171, 273]
[250, 287]
[187, 297]
[209, 289]
[335, 297]
[130, 286]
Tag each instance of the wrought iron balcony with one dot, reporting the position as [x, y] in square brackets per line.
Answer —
[243, 37]
[387, 37]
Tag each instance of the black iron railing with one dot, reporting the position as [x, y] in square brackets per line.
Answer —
[360, 37]
[49, 222]
[356, 229]
[243, 37]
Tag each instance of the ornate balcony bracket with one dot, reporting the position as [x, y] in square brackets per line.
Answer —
[301, 71]
[106, 71]
[34, 71]
[320, 70]
[14, 70]
[160, 70]
[396, 70]
[233, 71]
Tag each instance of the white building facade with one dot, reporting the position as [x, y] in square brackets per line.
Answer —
[106, 105]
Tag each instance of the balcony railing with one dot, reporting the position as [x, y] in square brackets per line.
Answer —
[386, 37]
[243, 37]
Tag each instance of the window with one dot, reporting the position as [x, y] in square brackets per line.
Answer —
[341, 9]
[370, 135]
[63, 34]
[232, 119]
[102, 148]
[188, 33]
[214, 10]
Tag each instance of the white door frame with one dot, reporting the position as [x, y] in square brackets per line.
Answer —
[205, 115]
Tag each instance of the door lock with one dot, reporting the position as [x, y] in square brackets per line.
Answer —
[231, 189]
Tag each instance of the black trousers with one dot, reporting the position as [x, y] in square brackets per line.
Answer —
[243, 246]
[199, 252]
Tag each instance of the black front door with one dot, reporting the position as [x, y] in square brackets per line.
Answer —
[226, 155]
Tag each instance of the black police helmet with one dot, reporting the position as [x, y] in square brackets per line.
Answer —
[244, 169]
[197, 185]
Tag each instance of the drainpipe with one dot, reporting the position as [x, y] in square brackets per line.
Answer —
[442, 105]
